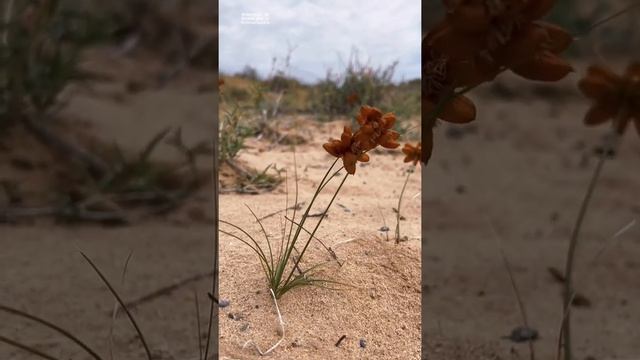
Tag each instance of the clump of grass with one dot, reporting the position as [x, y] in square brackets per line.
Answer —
[278, 261]
[41, 44]
[39, 54]
[233, 132]
[360, 83]
[275, 264]
[234, 129]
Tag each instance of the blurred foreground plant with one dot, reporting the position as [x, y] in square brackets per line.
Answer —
[615, 98]
[39, 54]
[475, 42]
[478, 40]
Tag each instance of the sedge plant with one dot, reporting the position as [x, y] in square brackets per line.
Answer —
[279, 263]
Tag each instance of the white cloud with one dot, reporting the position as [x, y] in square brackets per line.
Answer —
[383, 31]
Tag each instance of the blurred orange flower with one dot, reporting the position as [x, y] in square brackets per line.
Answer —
[413, 153]
[438, 79]
[504, 33]
[346, 149]
[375, 129]
[427, 137]
[614, 96]
[353, 99]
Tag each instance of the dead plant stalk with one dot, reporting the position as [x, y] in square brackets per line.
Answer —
[610, 146]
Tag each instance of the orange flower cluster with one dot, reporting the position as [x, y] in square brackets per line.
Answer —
[490, 35]
[375, 129]
[477, 40]
[614, 96]
[412, 153]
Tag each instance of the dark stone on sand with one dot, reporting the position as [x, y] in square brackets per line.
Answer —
[522, 334]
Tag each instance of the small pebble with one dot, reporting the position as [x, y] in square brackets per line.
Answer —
[522, 334]
[363, 343]
[223, 303]
[384, 229]
[580, 300]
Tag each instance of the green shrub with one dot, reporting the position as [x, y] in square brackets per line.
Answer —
[39, 53]
[359, 84]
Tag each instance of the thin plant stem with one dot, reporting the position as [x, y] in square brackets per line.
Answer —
[333, 255]
[27, 348]
[516, 291]
[197, 303]
[122, 304]
[266, 236]
[280, 322]
[568, 284]
[315, 229]
[404, 186]
[609, 18]
[115, 305]
[593, 262]
[291, 244]
[514, 286]
[52, 326]
[295, 180]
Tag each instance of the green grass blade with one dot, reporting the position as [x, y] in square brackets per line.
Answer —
[315, 229]
[309, 233]
[291, 245]
[263, 260]
[261, 252]
[266, 236]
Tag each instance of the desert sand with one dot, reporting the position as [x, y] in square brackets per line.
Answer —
[382, 307]
[515, 178]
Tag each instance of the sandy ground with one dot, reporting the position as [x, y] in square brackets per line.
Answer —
[516, 177]
[41, 270]
[383, 308]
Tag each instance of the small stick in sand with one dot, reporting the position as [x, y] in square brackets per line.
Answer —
[281, 323]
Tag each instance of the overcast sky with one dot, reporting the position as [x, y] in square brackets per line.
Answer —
[324, 32]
